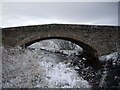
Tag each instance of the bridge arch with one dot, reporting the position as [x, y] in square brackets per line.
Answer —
[88, 51]
[95, 40]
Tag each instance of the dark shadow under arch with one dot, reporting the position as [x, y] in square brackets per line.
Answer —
[89, 52]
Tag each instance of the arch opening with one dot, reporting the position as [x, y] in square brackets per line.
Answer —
[57, 46]
[88, 51]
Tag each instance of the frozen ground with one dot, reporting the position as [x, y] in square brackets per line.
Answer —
[25, 68]
[49, 64]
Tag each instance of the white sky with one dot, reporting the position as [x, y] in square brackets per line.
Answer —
[36, 13]
[60, 0]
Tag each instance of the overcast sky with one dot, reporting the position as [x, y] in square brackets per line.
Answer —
[36, 13]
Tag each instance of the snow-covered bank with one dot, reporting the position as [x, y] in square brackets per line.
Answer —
[62, 76]
[112, 56]
[33, 67]
[38, 68]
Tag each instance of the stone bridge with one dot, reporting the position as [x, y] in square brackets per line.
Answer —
[95, 40]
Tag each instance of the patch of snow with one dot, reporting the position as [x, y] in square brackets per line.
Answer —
[76, 67]
[112, 56]
[70, 52]
[61, 76]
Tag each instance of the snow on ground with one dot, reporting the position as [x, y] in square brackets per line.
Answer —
[38, 68]
[62, 46]
[62, 76]
[70, 52]
[112, 56]
[31, 68]
[46, 44]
